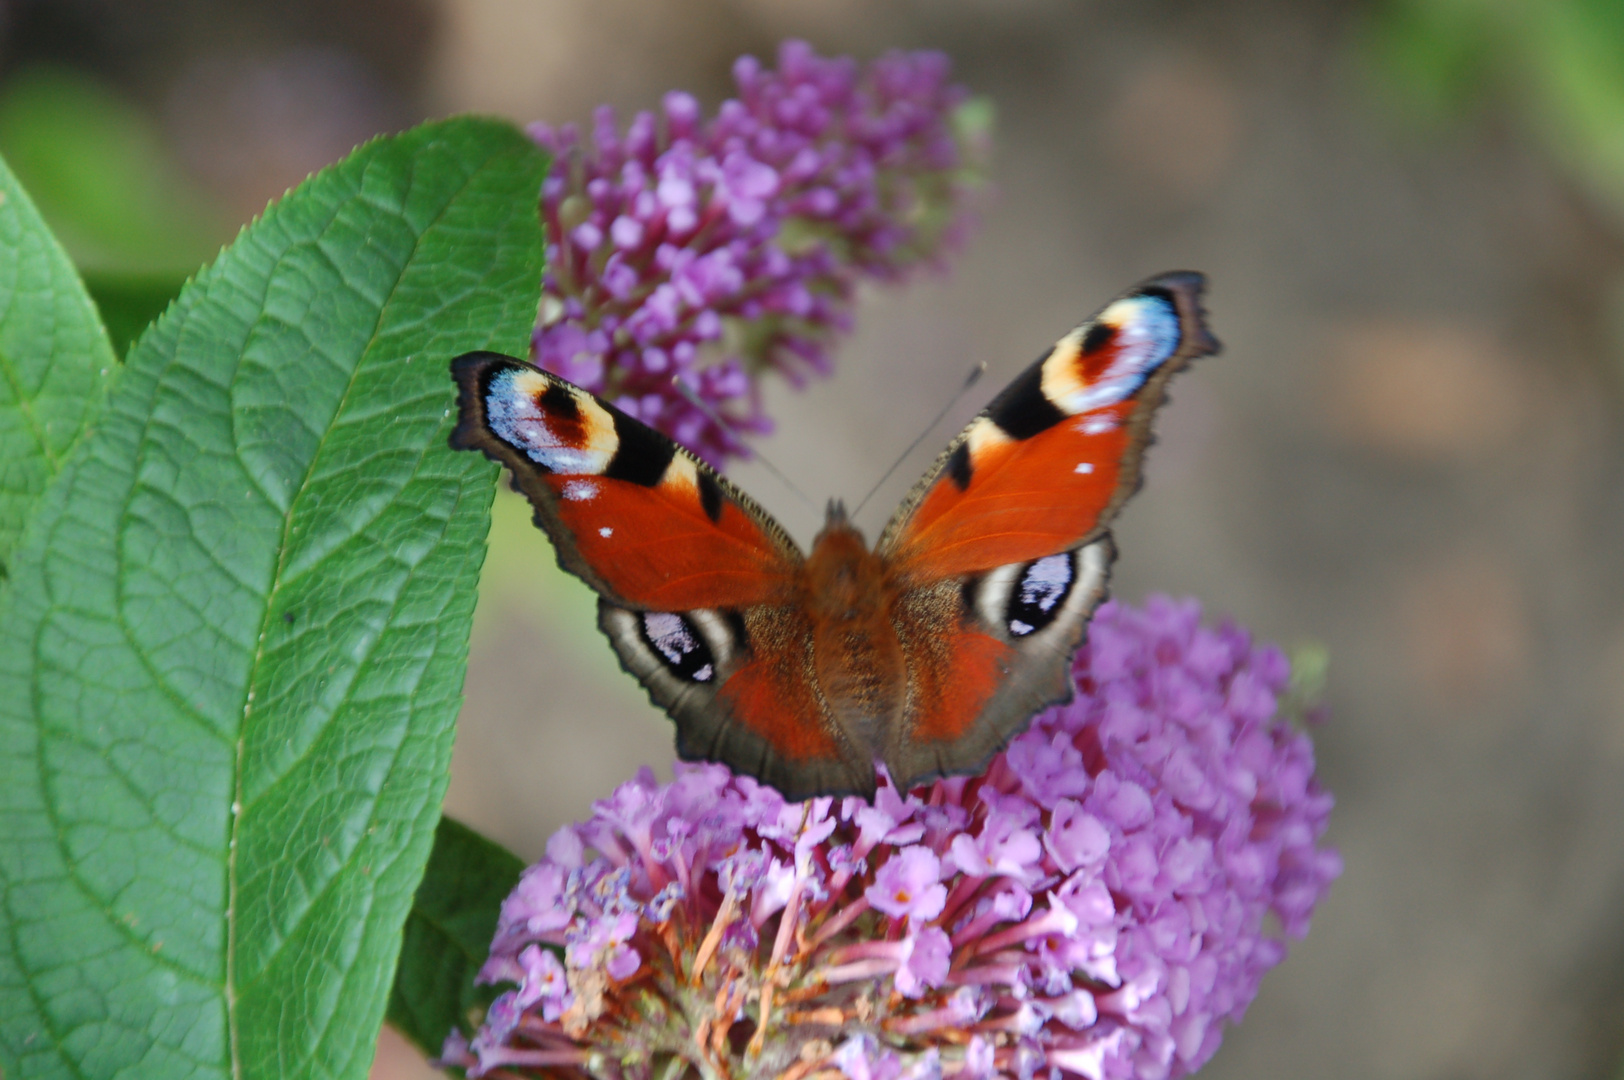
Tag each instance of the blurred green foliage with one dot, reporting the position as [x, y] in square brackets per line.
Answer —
[1558, 64]
[103, 178]
[128, 300]
[1304, 700]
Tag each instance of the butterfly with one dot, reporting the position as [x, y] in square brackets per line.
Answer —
[929, 651]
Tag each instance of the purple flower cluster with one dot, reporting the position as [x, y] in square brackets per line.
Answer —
[1093, 905]
[709, 250]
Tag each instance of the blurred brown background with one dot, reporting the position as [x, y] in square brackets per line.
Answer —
[1411, 451]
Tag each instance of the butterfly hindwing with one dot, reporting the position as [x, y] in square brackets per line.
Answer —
[985, 653]
[738, 685]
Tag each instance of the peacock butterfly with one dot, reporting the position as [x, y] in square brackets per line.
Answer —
[928, 652]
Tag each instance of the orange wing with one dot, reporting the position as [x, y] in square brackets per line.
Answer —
[1049, 463]
[1001, 553]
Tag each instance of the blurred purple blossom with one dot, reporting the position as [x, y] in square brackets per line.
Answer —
[712, 250]
[1094, 905]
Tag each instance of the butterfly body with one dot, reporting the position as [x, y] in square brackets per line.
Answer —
[856, 658]
[926, 652]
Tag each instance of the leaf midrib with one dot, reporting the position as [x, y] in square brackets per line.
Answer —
[237, 808]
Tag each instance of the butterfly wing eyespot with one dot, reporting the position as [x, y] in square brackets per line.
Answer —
[675, 654]
[977, 678]
[1023, 599]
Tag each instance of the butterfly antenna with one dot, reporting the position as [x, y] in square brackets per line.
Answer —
[716, 418]
[969, 381]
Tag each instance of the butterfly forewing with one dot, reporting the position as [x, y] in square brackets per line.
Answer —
[1048, 464]
[631, 513]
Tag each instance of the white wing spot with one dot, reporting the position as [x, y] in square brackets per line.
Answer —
[704, 674]
[1099, 425]
[1046, 581]
[606, 532]
[1018, 628]
[580, 490]
[1084, 467]
[669, 635]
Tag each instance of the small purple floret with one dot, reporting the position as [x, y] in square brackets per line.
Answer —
[761, 220]
[908, 885]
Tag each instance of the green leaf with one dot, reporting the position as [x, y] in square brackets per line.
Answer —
[55, 360]
[234, 644]
[448, 935]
